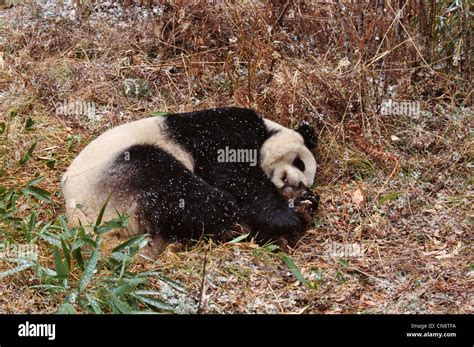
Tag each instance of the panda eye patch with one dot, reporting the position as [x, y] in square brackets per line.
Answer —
[298, 163]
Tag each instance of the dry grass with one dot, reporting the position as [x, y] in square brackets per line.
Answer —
[291, 61]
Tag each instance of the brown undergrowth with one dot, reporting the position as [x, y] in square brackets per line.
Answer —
[392, 233]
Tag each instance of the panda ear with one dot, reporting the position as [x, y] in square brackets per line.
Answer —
[309, 135]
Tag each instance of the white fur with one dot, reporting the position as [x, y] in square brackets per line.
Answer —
[278, 153]
[80, 179]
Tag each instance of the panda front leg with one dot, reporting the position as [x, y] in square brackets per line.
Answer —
[271, 218]
[264, 210]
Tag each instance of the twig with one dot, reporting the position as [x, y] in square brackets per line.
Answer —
[203, 285]
[282, 13]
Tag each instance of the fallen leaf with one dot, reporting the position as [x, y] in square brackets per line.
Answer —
[358, 197]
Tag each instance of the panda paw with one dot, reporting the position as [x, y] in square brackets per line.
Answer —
[307, 201]
[272, 219]
[305, 206]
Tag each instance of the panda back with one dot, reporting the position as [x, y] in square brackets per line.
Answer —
[80, 182]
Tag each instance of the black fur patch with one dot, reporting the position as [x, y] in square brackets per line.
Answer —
[299, 164]
[172, 200]
[309, 135]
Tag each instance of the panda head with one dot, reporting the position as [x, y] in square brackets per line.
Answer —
[286, 156]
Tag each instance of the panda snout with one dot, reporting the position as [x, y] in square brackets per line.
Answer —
[287, 188]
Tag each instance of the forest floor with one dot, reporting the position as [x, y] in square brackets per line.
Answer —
[393, 233]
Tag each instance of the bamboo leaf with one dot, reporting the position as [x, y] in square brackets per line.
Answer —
[294, 269]
[120, 305]
[101, 214]
[128, 286]
[34, 181]
[29, 124]
[158, 304]
[31, 226]
[110, 225]
[51, 238]
[24, 159]
[66, 308]
[344, 263]
[15, 270]
[163, 278]
[94, 304]
[49, 287]
[391, 196]
[159, 114]
[76, 253]
[66, 253]
[60, 266]
[239, 238]
[38, 193]
[136, 241]
[89, 270]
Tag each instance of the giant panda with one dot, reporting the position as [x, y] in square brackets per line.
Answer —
[168, 175]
